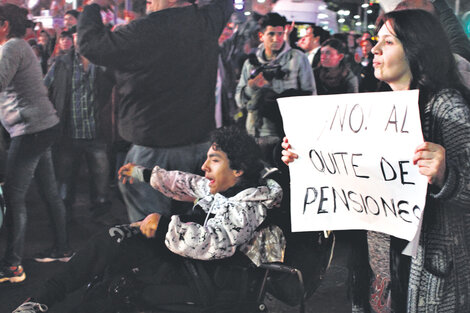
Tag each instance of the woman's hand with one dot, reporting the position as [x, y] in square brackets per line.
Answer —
[131, 172]
[288, 155]
[431, 160]
[149, 225]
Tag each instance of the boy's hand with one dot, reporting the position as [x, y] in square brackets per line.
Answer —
[149, 225]
[131, 172]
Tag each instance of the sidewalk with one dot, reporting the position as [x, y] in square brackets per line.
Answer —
[329, 298]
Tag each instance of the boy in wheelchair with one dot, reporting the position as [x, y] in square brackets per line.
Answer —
[184, 261]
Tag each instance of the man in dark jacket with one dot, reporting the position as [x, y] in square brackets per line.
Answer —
[81, 93]
[166, 66]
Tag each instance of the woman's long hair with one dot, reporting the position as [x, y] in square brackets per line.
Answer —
[427, 50]
[17, 19]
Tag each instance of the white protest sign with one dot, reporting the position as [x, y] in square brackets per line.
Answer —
[355, 168]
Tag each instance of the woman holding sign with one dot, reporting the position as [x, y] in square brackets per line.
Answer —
[413, 53]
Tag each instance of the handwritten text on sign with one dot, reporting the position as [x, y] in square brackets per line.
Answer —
[355, 168]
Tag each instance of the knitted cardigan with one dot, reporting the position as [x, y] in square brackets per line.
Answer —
[440, 273]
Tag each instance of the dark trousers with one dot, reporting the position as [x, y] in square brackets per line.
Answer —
[103, 254]
[28, 156]
[67, 157]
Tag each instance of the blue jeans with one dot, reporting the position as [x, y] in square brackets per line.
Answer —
[69, 153]
[28, 156]
[140, 198]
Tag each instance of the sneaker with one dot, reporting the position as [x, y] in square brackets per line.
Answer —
[31, 307]
[53, 256]
[12, 274]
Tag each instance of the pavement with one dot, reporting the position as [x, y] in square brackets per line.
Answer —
[330, 297]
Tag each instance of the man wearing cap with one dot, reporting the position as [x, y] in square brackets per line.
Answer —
[70, 20]
[166, 66]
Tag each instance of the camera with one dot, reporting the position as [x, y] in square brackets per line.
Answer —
[270, 71]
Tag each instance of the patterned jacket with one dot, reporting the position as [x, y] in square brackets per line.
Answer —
[231, 223]
[440, 274]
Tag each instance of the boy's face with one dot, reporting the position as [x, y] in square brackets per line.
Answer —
[272, 38]
[218, 171]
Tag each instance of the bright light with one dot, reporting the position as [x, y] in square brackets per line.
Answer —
[322, 16]
[358, 23]
[325, 27]
[369, 11]
[322, 7]
[261, 1]
[371, 26]
[247, 13]
[341, 20]
[347, 12]
[357, 17]
[365, 5]
[324, 23]
[239, 7]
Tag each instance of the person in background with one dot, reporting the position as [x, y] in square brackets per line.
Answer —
[80, 92]
[367, 80]
[275, 70]
[413, 52]
[30, 118]
[164, 111]
[47, 47]
[333, 76]
[63, 46]
[71, 20]
[311, 44]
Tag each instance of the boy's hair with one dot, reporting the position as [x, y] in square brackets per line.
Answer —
[241, 149]
[272, 19]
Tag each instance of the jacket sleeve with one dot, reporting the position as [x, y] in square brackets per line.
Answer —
[453, 126]
[49, 78]
[10, 59]
[218, 13]
[306, 78]
[244, 93]
[234, 224]
[179, 185]
[352, 83]
[459, 42]
[102, 46]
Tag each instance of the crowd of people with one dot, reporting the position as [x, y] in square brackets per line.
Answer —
[180, 107]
